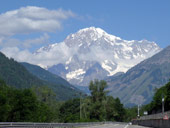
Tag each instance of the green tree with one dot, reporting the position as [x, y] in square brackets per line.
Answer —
[98, 99]
[48, 97]
[96, 107]
[22, 106]
[120, 111]
[167, 98]
[4, 102]
[131, 113]
[156, 104]
[70, 111]
[110, 108]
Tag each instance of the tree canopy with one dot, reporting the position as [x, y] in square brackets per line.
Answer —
[21, 106]
[98, 106]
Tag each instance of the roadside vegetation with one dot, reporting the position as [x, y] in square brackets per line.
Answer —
[22, 106]
[155, 106]
[38, 104]
[96, 107]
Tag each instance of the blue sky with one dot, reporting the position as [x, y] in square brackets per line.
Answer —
[128, 19]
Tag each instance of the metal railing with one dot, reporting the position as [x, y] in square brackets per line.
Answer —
[155, 116]
[48, 125]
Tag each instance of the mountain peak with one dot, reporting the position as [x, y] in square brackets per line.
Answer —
[81, 50]
[97, 31]
[89, 36]
[92, 29]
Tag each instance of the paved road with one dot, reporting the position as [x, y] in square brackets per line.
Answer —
[115, 126]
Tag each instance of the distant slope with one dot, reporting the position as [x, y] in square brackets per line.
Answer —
[138, 84]
[46, 75]
[16, 75]
[56, 83]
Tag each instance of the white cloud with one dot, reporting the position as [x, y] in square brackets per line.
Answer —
[24, 44]
[37, 41]
[43, 59]
[15, 52]
[32, 19]
[27, 20]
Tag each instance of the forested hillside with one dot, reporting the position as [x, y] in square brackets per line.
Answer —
[57, 84]
[47, 76]
[16, 75]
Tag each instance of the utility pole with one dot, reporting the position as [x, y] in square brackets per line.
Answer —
[138, 111]
[162, 104]
[80, 105]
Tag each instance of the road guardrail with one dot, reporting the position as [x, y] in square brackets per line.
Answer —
[156, 116]
[48, 125]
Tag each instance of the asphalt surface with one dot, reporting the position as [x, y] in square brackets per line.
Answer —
[115, 126]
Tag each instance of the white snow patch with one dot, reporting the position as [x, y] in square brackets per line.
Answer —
[120, 68]
[80, 44]
[145, 50]
[127, 48]
[67, 62]
[107, 66]
[43, 66]
[127, 57]
[75, 74]
[116, 56]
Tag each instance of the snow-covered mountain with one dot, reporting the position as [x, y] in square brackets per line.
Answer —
[91, 53]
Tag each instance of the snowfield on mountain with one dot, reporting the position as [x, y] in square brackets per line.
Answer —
[91, 53]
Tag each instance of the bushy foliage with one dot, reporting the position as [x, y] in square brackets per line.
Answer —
[98, 100]
[38, 104]
[70, 111]
[156, 104]
[21, 106]
[96, 107]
